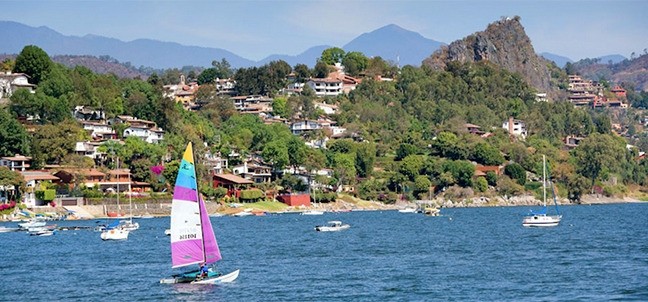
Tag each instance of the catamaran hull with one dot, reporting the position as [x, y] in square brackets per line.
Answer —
[216, 280]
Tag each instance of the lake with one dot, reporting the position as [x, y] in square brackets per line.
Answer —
[597, 253]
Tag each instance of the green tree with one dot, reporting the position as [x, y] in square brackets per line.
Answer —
[365, 158]
[516, 171]
[279, 107]
[13, 136]
[332, 55]
[598, 154]
[481, 184]
[35, 62]
[321, 70]
[276, 153]
[354, 63]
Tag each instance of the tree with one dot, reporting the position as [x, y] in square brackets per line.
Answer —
[276, 153]
[302, 73]
[296, 152]
[279, 106]
[354, 63]
[365, 158]
[223, 68]
[598, 154]
[51, 143]
[321, 70]
[516, 171]
[332, 55]
[33, 61]
[13, 136]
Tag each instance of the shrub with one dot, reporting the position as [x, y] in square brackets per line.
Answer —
[251, 195]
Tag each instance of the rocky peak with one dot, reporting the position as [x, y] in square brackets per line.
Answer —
[504, 43]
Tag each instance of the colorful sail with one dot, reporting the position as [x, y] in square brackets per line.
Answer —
[192, 237]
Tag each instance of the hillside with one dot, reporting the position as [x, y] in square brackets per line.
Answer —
[102, 65]
[633, 71]
[504, 43]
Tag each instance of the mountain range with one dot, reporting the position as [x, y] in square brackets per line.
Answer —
[390, 42]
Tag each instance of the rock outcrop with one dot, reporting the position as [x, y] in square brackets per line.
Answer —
[504, 43]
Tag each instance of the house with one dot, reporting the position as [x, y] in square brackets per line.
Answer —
[572, 142]
[10, 82]
[481, 170]
[215, 162]
[515, 127]
[252, 103]
[327, 108]
[89, 149]
[325, 87]
[225, 86]
[619, 91]
[83, 113]
[300, 127]
[87, 177]
[99, 130]
[231, 182]
[473, 129]
[16, 163]
[33, 180]
[146, 130]
[254, 171]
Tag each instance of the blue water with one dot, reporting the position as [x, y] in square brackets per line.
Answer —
[598, 253]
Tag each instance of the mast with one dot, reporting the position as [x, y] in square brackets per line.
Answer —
[130, 197]
[544, 180]
[118, 186]
[204, 252]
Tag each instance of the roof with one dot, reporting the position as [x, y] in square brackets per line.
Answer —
[37, 175]
[233, 178]
[17, 157]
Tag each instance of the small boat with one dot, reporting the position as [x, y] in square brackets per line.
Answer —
[312, 212]
[128, 225]
[43, 233]
[541, 219]
[192, 237]
[147, 216]
[167, 232]
[246, 212]
[114, 232]
[430, 211]
[4, 229]
[332, 226]
[407, 210]
[33, 223]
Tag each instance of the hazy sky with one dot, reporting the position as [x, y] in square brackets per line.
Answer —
[255, 29]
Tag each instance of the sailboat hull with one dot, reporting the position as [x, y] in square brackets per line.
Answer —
[191, 278]
[541, 221]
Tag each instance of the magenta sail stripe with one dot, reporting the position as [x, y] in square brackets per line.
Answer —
[182, 193]
[212, 252]
[186, 252]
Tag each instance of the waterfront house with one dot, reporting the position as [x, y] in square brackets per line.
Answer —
[33, 180]
[233, 183]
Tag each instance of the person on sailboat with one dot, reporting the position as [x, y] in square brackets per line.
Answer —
[204, 270]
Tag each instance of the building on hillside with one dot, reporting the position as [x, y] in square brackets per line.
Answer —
[325, 87]
[572, 142]
[619, 91]
[234, 184]
[329, 109]
[89, 149]
[84, 113]
[10, 82]
[225, 86]
[99, 130]
[33, 180]
[515, 127]
[146, 130]
[16, 163]
[254, 171]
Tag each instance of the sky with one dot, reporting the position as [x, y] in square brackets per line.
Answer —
[255, 29]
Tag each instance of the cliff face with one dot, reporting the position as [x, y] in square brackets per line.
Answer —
[503, 43]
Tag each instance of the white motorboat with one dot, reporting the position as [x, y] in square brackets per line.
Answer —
[42, 233]
[128, 225]
[332, 226]
[313, 212]
[114, 234]
[407, 210]
[33, 223]
[4, 229]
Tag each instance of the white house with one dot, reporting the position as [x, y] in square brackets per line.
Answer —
[146, 130]
[15, 163]
[10, 82]
[33, 180]
[325, 87]
[300, 127]
[515, 127]
[99, 131]
[89, 149]
[327, 108]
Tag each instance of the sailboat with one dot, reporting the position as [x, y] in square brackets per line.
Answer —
[114, 231]
[541, 219]
[193, 241]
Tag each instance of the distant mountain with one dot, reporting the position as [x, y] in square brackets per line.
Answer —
[558, 59]
[504, 43]
[631, 72]
[308, 57]
[141, 52]
[612, 59]
[393, 43]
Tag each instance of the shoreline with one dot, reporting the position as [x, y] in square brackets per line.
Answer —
[89, 212]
